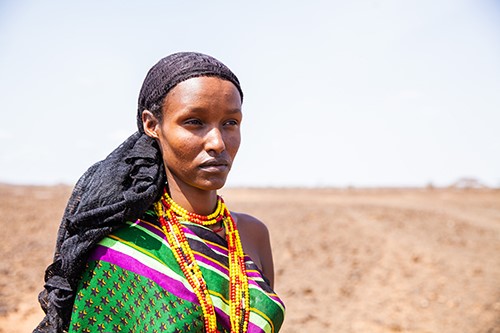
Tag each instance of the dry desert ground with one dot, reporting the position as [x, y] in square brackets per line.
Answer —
[346, 260]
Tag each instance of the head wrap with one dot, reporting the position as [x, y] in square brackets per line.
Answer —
[117, 189]
[170, 71]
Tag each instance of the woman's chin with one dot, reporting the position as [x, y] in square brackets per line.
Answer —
[212, 184]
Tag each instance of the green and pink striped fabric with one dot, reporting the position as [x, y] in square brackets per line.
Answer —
[132, 283]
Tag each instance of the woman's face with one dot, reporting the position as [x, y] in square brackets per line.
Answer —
[199, 133]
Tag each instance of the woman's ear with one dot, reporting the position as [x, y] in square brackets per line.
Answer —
[150, 124]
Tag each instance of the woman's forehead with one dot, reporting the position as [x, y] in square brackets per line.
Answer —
[204, 92]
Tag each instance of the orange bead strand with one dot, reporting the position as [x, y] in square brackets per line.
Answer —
[169, 213]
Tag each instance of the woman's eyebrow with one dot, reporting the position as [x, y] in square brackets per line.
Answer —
[204, 110]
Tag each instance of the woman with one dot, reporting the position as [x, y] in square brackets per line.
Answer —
[146, 244]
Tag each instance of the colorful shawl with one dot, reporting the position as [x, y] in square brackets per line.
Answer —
[132, 283]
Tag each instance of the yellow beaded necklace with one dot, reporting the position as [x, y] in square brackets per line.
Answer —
[169, 214]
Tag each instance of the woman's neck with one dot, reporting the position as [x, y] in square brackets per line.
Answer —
[192, 199]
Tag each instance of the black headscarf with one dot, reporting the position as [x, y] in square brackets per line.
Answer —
[117, 189]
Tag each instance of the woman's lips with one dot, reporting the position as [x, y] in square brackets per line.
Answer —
[215, 165]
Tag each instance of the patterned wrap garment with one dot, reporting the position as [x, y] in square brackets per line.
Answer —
[133, 283]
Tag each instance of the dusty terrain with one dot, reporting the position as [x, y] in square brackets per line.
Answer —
[393, 260]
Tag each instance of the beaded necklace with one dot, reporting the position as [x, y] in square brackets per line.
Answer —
[170, 214]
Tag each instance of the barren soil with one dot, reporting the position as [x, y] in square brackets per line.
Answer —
[375, 260]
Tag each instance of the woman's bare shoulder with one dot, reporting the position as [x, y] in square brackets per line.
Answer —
[255, 239]
[249, 223]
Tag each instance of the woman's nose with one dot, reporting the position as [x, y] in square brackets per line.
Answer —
[214, 141]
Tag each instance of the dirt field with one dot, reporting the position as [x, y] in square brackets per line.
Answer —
[398, 260]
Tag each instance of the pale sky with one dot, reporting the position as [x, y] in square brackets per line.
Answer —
[337, 93]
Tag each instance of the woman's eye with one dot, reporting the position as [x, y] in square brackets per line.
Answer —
[193, 122]
[231, 123]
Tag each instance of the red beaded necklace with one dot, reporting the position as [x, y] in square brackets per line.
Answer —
[170, 214]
